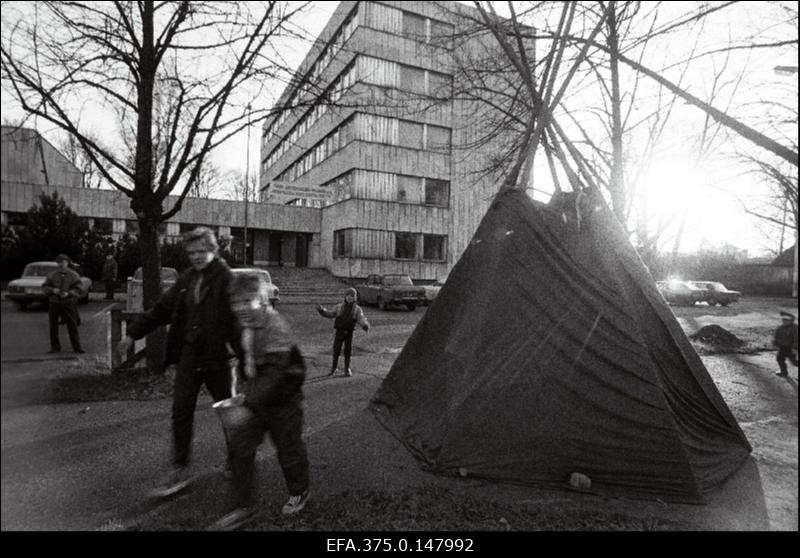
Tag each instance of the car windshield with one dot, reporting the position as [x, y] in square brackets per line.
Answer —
[167, 274]
[39, 270]
[397, 280]
[264, 273]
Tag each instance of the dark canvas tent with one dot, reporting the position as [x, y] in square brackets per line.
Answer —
[550, 351]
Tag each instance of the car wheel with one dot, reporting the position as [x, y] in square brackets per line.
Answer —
[724, 303]
[21, 305]
[712, 301]
[411, 307]
[381, 303]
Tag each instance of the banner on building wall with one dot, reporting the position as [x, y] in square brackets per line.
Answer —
[299, 190]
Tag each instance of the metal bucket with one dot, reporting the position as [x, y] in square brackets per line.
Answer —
[232, 412]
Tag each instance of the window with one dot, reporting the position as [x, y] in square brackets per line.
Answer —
[405, 246]
[411, 134]
[437, 192]
[414, 26]
[17, 219]
[407, 186]
[433, 247]
[342, 243]
[438, 138]
[412, 79]
[439, 84]
[441, 33]
[104, 226]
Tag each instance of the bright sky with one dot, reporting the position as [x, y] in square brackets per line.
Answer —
[673, 186]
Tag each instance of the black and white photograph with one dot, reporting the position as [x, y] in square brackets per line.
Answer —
[391, 276]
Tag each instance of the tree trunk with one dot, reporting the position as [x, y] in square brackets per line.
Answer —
[616, 181]
[145, 202]
[151, 282]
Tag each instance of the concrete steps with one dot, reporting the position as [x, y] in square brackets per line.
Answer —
[302, 285]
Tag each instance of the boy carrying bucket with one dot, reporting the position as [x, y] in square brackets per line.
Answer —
[270, 401]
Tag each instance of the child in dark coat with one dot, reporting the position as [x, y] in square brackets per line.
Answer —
[274, 372]
[786, 341]
[346, 316]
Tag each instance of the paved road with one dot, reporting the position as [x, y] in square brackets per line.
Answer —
[87, 466]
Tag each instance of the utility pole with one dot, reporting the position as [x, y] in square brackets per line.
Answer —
[246, 184]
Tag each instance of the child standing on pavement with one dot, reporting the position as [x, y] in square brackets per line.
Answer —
[274, 372]
[346, 316]
[786, 340]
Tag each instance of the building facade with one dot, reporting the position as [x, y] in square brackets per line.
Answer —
[366, 175]
[380, 154]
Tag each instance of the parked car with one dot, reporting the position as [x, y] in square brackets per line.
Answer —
[679, 292]
[135, 293]
[716, 293]
[432, 291]
[273, 291]
[28, 288]
[393, 289]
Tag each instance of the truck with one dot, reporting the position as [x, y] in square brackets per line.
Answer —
[391, 290]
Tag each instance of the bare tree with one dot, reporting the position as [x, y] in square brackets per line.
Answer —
[195, 57]
[71, 148]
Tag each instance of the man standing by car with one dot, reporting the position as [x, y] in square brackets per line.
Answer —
[202, 324]
[110, 275]
[786, 341]
[63, 288]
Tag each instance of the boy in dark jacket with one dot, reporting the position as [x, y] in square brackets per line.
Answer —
[346, 316]
[202, 331]
[786, 341]
[274, 372]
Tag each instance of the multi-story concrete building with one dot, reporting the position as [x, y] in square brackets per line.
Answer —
[374, 178]
[379, 155]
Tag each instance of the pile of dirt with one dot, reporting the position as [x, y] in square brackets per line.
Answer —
[717, 336]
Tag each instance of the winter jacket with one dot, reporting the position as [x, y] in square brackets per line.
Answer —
[68, 281]
[205, 331]
[346, 316]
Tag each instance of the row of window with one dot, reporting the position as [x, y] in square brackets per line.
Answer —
[383, 18]
[374, 129]
[407, 245]
[342, 35]
[407, 24]
[374, 71]
[383, 186]
[335, 92]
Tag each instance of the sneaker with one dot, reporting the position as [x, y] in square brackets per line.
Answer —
[177, 480]
[781, 373]
[348, 373]
[332, 372]
[295, 503]
[234, 519]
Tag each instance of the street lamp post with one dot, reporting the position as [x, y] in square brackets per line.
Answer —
[246, 183]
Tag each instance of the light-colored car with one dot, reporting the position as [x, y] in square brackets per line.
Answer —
[716, 293]
[432, 291]
[393, 289]
[273, 292]
[679, 292]
[28, 288]
[135, 292]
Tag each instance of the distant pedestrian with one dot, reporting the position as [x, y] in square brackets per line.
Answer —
[274, 371]
[786, 341]
[63, 288]
[202, 328]
[110, 276]
[346, 316]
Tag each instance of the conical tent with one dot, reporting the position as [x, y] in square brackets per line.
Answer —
[549, 351]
